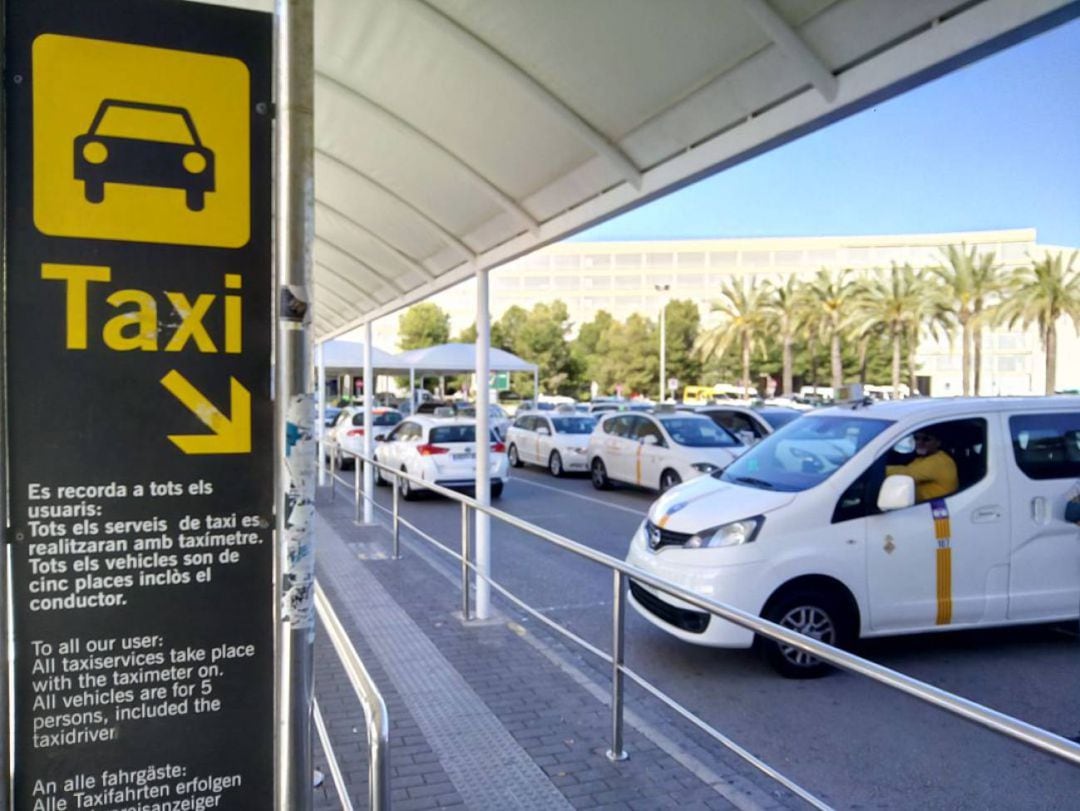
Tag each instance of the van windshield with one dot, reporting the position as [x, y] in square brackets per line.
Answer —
[803, 453]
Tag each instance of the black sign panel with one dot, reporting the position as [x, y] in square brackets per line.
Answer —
[140, 433]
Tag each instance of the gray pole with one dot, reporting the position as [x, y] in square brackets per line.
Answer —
[482, 549]
[294, 402]
[320, 411]
[662, 290]
[5, 706]
[369, 425]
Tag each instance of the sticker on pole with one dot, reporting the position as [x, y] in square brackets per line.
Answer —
[140, 144]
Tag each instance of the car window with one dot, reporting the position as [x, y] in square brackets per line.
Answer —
[736, 422]
[574, 425]
[522, 423]
[618, 426]
[695, 432]
[453, 433]
[386, 419]
[963, 440]
[778, 419]
[1047, 446]
[644, 428]
[399, 433]
[804, 454]
[128, 121]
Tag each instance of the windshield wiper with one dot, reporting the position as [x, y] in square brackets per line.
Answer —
[756, 482]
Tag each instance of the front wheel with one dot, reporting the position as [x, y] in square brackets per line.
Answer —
[815, 614]
[515, 459]
[496, 489]
[668, 479]
[408, 489]
[600, 478]
[555, 464]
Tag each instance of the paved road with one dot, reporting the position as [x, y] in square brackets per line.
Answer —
[849, 741]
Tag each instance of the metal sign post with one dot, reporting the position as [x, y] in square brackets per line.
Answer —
[140, 468]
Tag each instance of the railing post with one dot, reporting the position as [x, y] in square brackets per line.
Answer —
[396, 552]
[333, 473]
[464, 561]
[356, 488]
[618, 612]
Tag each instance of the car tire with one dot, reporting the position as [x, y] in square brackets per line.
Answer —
[668, 479]
[812, 612]
[94, 192]
[496, 489]
[555, 464]
[380, 480]
[408, 489]
[196, 200]
[515, 459]
[600, 478]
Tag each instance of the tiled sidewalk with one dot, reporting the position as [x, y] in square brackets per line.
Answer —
[487, 715]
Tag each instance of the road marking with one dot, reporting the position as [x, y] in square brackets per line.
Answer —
[578, 495]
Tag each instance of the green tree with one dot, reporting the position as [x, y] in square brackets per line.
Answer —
[835, 295]
[682, 323]
[586, 349]
[540, 338]
[785, 308]
[741, 305]
[969, 281]
[467, 335]
[1041, 294]
[888, 303]
[423, 325]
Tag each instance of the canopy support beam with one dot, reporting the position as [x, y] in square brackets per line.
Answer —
[369, 425]
[483, 446]
[787, 39]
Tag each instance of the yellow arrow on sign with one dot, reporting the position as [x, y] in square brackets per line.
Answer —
[229, 435]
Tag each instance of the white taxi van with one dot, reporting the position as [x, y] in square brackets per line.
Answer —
[807, 530]
[659, 450]
[440, 449]
[557, 440]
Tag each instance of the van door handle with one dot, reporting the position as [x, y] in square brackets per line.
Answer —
[986, 515]
[1038, 510]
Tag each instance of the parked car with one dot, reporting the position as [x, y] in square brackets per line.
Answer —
[808, 530]
[750, 424]
[557, 440]
[498, 419]
[660, 450]
[441, 450]
[347, 432]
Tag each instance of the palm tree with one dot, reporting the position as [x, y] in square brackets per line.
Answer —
[885, 302]
[929, 313]
[969, 281]
[785, 309]
[1041, 294]
[835, 296]
[742, 308]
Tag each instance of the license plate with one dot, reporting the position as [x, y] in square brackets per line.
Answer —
[462, 457]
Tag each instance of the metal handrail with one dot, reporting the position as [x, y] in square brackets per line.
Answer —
[375, 715]
[993, 720]
[331, 758]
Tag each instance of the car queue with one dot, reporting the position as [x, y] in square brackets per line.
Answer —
[822, 521]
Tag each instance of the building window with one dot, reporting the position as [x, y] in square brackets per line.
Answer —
[723, 259]
[659, 260]
[598, 260]
[690, 279]
[565, 261]
[537, 281]
[628, 260]
[690, 259]
[628, 281]
[596, 282]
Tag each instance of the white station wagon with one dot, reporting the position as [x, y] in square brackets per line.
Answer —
[660, 450]
[441, 450]
[557, 440]
[808, 530]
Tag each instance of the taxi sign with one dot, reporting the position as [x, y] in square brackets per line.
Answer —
[140, 452]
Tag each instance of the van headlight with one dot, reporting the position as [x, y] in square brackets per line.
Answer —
[733, 534]
[705, 467]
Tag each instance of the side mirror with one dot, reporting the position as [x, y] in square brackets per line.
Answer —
[543, 431]
[649, 439]
[897, 493]
[381, 438]
[746, 437]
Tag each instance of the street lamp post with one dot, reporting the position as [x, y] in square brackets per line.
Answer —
[662, 289]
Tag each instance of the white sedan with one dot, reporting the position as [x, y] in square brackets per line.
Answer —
[347, 432]
[557, 440]
[660, 450]
[441, 450]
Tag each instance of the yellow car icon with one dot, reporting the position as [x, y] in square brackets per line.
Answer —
[142, 144]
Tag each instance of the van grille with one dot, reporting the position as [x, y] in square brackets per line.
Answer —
[659, 537]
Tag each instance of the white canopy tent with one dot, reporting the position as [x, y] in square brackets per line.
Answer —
[452, 136]
[461, 358]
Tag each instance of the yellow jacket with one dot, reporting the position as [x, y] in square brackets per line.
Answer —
[934, 475]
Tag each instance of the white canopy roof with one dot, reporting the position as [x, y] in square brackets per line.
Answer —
[347, 356]
[453, 135]
[461, 358]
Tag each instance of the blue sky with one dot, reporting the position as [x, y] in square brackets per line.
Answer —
[993, 145]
